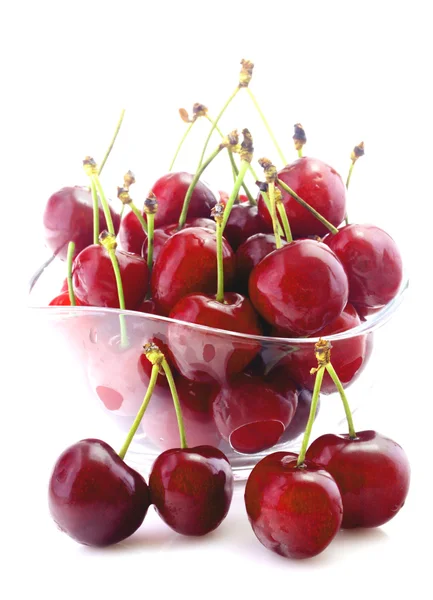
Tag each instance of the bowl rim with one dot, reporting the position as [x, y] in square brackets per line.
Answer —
[372, 323]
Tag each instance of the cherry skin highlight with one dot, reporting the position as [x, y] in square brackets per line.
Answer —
[68, 216]
[320, 186]
[372, 472]
[301, 287]
[192, 489]
[372, 262]
[94, 496]
[294, 511]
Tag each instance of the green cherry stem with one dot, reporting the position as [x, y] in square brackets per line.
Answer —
[185, 135]
[274, 217]
[150, 208]
[153, 378]
[283, 216]
[312, 416]
[235, 191]
[69, 259]
[312, 210]
[108, 240]
[176, 402]
[110, 147]
[139, 216]
[125, 198]
[105, 207]
[267, 126]
[357, 152]
[95, 202]
[217, 213]
[336, 380]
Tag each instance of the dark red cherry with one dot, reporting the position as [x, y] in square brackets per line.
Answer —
[147, 306]
[294, 511]
[192, 488]
[301, 287]
[94, 496]
[300, 419]
[208, 356]
[243, 222]
[68, 216]
[348, 355]
[63, 300]
[372, 262]
[252, 413]
[372, 472]
[95, 282]
[131, 235]
[249, 254]
[187, 264]
[170, 191]
[318, 184]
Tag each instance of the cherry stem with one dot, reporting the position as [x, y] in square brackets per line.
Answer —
[264, 196]
[185, 135]
[336, 380]
[139, 216]
[69, 259]
[267, 126]
[150, 232]
[271, 191]
[349, 175]
[152, 382]
[313, 409]
[285, 221]
[176, 403]
[235, 191]
[188, 195]
[215, 123]
[95, 211]
[105, 207]
[109, 242]
[220, 263]
[110, 147]
[312, 210]
[300, 154]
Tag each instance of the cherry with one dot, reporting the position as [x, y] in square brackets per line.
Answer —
[372, 262]
[348, 355]
[94, 496]
[63, 300]
[249, 254]
[300, 419]
[95, 282]
[372, 472]
[295, 511]
[252, 414]
[243, 222]
[207, 356]
[300, 287]
[320, 186]
[68, 216]
[187, 264]
[192, 488]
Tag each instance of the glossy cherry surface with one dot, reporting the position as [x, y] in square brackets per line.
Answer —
[301, 287]
[187, 264]
[372, 262]
[294, 511]
[95, 282]
[94, 496]
[318, 184]
[208, 357]
[63, 300]
[372, 472]
[252, 413]
[68, 216]
[249, 254]
[243, 222]
[192, 488]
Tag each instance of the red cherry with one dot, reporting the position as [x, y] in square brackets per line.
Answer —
[252, 414]
[147, 306]
[131, 235]
[300, 419]
[187, 264]
[294, 511]
[207, 356]
[348, 355]
[249, 254]
[372, 262]
[301, 287]
[63, 300]
[192, 488]
[94, 496]
[243, 222]
[318, 184]
[372, 472]
[95, 283]
[68, 216]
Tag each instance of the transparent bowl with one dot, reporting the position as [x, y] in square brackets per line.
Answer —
[240, 398]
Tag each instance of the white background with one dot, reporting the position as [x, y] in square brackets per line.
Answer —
[349, 71]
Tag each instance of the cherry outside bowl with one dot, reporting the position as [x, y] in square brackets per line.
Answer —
[97, 385]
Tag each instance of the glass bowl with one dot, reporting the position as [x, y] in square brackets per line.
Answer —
[248, 395]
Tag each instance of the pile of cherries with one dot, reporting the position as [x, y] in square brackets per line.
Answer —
[286, 264]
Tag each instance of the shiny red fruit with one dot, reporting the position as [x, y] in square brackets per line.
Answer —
[300, 419]
[192, 489]
[249, 254]
[95, 282]
[68, 216]
[372, 262]
[302, 287]
[207, 356]
[94, 496]
[294, 511]
[243, 222]
[372, 472]
[318, 184]
[63, 300]
[187, 264]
